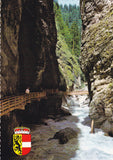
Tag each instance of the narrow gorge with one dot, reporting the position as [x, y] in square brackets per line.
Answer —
[36, 54]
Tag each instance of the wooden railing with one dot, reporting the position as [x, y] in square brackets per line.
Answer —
[18, 102]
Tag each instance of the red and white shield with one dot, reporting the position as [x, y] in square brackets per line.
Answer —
[26, 143]
[21, 141]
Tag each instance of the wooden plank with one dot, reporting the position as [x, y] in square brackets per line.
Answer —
[77, 93]
[11, 106]
[11, 109]
[10, 103]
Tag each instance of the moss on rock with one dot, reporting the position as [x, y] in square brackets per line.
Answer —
[68, 63]
[96, 60]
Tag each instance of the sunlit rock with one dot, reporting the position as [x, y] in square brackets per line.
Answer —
[97, 57]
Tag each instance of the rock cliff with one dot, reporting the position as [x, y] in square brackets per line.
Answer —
[11, 17]
[28, 46]
[28, 60]
[68, 64]
[67, 61]
[97, 59]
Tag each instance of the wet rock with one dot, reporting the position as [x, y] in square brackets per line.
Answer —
[51, 117]
[60, 119]
[87, 121]
[72, 103]
[65, 135]
[43, 149]
[64, 112]
[108, 128]
[97, 58]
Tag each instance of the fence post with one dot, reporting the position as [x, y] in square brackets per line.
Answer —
[92, 126]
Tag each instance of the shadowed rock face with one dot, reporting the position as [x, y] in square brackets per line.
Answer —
[97, 58]
[28, 46]
[37, 42]
[11, 17]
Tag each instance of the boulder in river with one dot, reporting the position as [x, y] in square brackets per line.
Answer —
[64, 135]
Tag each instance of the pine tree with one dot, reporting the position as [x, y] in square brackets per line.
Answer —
[75, 42]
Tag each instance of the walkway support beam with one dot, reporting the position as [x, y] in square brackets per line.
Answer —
[11, 103]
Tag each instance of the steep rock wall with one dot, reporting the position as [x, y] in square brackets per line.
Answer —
[97, 59]
[28, 46]
[68, 64]
[28, 60]
[37, 42]
[11, 17]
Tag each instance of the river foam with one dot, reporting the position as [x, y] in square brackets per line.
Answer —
[91, 146]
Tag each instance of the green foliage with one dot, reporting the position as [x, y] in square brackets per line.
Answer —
[68, 44]
[75, 41]
[62, 28]
[110, 85]
[68, 63]
[69, 25]
[71, 13]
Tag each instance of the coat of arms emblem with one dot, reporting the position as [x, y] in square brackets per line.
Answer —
[21, 140]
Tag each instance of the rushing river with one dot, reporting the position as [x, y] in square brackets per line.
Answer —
[91, 146]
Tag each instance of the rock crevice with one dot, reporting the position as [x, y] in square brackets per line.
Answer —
[28, 46]
[97, 58]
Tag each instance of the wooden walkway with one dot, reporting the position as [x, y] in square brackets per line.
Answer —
[19, 102]
[77, 93]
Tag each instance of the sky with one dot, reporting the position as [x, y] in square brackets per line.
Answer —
[69, 2]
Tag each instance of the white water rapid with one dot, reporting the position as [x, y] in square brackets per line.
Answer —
[91, 146]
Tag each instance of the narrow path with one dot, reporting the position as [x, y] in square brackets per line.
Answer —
[11, 103]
